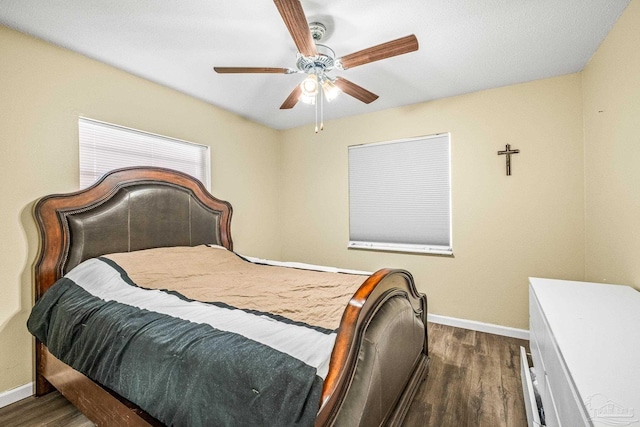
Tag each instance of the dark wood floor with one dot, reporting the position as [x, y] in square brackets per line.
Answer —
[474, 380]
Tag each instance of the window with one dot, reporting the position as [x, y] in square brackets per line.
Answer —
[104, 147]
[400, 195]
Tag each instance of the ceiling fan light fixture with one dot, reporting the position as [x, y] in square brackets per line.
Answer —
[309, 85]
[331, 91]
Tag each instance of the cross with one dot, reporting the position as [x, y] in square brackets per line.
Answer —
[508, 152]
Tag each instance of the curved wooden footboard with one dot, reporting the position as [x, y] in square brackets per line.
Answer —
[370, 297]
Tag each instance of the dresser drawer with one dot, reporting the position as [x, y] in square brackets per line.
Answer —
[551, 417]
[557, 392]
[538, 365]
[539, 331]
[567, 401]
[531, 407]
[538, 340]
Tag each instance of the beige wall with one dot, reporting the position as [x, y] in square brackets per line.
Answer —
[504, 228]
[611, 84]
[289, 188]
[43, 90]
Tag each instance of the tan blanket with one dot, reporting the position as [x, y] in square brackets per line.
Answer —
[217, 275]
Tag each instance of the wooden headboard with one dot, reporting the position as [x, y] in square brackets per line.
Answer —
[128, 209]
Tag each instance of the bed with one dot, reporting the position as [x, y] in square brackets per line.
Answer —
[379, 354]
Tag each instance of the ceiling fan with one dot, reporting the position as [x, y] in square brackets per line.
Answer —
[317, 60]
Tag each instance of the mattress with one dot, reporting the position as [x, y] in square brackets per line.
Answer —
[199, 336]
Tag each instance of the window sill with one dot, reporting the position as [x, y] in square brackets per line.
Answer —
[412, 249]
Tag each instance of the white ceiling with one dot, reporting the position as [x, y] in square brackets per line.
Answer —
[465, 45]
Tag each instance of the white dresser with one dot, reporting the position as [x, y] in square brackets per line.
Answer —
[585, 346]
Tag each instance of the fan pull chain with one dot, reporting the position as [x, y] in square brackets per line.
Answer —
[321, 108]
[317, 95]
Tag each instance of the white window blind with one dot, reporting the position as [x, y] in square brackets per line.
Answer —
[400, 195]
[105, 147]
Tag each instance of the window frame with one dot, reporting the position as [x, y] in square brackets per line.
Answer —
[421, 248]
[157, 138]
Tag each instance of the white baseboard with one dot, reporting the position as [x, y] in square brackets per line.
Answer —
[490, 328]
[15, 394]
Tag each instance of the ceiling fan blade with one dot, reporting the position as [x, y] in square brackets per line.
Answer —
[225, 70]
[296, 22]
[292, 99]
[382, 51]
[358, 92]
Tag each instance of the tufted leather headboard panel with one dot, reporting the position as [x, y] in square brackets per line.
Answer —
[141, 217]
[127, 210]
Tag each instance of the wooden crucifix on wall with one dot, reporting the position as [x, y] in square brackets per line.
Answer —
[508, 152]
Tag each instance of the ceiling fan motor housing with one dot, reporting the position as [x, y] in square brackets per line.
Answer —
[323, 62]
